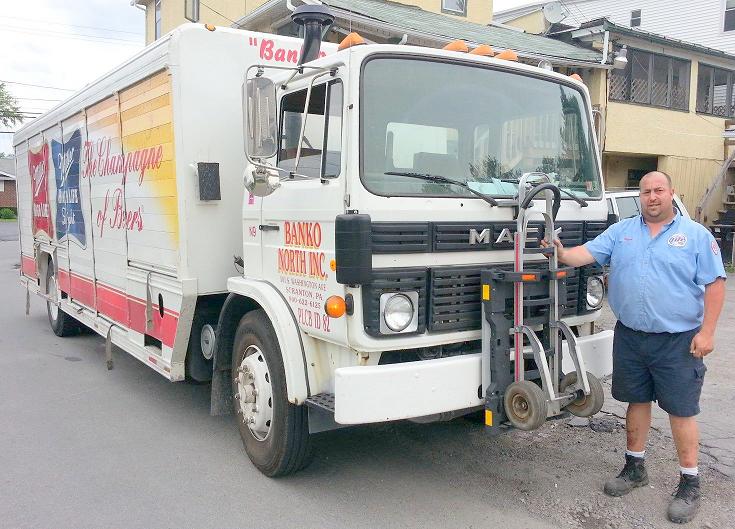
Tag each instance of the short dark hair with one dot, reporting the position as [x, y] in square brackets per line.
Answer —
[668, 178]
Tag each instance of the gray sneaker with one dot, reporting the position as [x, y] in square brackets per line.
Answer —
[633, 475]
[683, 508]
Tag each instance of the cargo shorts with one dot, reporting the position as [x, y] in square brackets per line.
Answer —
[658, 367]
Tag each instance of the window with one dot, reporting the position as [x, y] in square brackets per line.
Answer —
[715, 91]
[157, 15]
[486, 128]
[321, 145]
[635, 18]
[2, 186]
[652, 79]
[729, 15]
[455, 7]
[627, 207]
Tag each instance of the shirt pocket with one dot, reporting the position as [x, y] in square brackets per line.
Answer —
[680, 263]
[624, 254]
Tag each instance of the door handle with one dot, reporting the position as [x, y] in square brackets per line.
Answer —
[269, 227]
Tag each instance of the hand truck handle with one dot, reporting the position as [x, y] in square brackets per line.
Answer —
[538, 189]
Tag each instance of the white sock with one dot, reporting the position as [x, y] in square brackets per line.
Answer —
[694, 471]
[639, 455]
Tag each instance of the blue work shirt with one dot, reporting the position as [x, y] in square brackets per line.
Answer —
[657, 284]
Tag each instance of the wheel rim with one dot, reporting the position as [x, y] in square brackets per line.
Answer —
[53, 298]
[255, 393]
[520, 407]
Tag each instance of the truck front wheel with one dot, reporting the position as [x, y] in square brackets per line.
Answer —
[275, 432]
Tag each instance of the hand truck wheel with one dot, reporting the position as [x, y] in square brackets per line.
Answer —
[525, 405]
[584, 405]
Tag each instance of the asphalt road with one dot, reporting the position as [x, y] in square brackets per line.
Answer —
[82, 447]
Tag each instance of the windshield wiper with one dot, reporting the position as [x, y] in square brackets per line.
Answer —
[444, 180]
[583, 203]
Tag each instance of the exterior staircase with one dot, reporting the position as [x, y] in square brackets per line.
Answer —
[723, 228]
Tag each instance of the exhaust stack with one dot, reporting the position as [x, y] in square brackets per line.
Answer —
[315, 19]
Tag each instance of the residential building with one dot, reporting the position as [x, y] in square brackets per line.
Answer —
[164, 15]
[7, 183]
[710, 23]
[666, 109]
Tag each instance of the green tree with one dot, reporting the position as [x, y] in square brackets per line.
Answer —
[9, 111]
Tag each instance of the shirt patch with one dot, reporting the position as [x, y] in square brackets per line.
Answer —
[715, 248]
[678, 240]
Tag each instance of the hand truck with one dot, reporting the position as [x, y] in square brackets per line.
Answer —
[531, 387]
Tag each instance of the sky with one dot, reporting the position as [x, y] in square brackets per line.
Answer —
[63, 45]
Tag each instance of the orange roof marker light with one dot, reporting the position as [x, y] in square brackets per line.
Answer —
[457, 45]
[576, 77]
[353, 39]
[210, 27]
[483, 50]
[507, 55]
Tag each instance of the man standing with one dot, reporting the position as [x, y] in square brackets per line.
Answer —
[666, 289]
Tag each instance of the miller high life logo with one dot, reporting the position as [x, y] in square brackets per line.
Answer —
[41, 211]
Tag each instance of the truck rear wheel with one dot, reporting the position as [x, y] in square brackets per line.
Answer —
[275, 432]
[61, 323]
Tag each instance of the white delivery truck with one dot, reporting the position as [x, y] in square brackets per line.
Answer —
[310, 235]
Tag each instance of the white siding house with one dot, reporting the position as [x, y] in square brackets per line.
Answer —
[710, 23]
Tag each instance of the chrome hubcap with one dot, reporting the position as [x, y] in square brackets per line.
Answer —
[254, 393]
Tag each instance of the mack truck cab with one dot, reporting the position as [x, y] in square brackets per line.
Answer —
[381, 183]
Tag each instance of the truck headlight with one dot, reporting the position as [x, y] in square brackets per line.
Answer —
[595, 292]
[398, 312]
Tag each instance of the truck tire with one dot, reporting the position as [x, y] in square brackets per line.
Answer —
[275, 432]
[61, 323]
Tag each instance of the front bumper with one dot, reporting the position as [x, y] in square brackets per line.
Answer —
[368, 394]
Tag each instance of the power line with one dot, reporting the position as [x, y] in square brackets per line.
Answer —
[215, 11]
[36, 99]
[73, 25]
[39, 86]
[72, 36]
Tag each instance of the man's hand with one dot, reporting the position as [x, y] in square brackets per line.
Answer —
[559, 248]
[577, 256]
[702, 344]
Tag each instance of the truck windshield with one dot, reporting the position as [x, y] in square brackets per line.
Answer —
[476, 125]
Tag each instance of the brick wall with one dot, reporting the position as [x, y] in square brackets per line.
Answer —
[7, 196]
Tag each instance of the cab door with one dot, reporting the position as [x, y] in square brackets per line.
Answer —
[297, 226]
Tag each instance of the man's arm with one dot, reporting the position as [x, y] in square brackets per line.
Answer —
[714, 297]
[577, 256]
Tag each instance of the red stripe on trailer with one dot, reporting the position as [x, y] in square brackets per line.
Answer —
[162, 327]
[28, 266]
[82, 289]
[112, 304]
[64, 280]
[119, 306]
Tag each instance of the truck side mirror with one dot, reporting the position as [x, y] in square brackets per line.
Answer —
[261, 122]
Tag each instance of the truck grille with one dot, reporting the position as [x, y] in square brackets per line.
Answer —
[449, 296]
